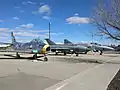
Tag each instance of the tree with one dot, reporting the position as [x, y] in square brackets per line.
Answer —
[107, 18]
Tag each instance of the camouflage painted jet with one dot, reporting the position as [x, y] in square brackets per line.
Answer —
[93, 46]
[85, 50]
[35, 47]
[65, 48]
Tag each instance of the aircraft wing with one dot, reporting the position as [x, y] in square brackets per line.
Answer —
[19, 51]
[61, 48]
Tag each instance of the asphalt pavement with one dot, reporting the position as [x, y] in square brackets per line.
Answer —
[59, 73]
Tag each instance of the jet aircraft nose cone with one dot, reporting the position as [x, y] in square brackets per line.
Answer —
[48, 48]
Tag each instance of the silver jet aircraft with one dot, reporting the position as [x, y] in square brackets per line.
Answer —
[35, 47]
[100, 48]
[66, 48]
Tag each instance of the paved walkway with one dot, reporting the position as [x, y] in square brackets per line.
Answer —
[95, 78]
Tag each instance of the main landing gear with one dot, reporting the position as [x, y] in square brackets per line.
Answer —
[45, 58]
[17, 55]
[65, 53]
[85, 52]
[35, 57]
[101, 52]
[76, 54]
[56, 53]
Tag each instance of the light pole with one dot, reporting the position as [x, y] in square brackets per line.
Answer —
[49, 32]
[92, 37]
[49, 29]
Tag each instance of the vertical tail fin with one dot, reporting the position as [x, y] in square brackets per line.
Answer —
[13, 38]
[50, 42]
[67, 42]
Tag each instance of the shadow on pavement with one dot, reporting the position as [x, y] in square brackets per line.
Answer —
[14, 57]
[115, 83]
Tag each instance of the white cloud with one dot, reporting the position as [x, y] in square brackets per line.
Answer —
[1, 20]
[38, 31]
[16, 18]
[26, 35]
[55, 34]
[34, 12]
[41, 3]
[24, 3]
[4, 32]
[45, 9]
[17, 7]
[46, 17]
[22, 11]
[76, 14]
[30, 2]
[77, 20]
[29, 25]
[3, 29]
[29, 33]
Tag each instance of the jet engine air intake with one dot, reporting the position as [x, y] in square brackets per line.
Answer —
[45, 49]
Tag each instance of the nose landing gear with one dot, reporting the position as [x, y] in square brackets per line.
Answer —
[101, 52]
[35, 57]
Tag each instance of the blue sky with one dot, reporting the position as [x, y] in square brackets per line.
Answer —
[29, 19]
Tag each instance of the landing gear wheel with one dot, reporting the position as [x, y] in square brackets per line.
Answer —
[65, 53]
[72, 53]
[56, 53]
[35, 56]
[76, 54]
[45, 59]
[86, 52]
[17, 55]
[101, 52]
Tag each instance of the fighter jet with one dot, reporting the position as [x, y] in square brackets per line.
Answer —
[81, 48]
[65, 48]
[35, 47]
[92, 46]
[98, 47]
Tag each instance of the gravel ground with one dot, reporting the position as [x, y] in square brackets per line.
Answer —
[115, 83]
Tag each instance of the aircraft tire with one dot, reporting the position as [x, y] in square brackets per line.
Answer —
[77, 54]
[86, 52]
[45, 59]
[56, 53]
[101, 52]
[35, 56]
[17, 55]
[65, 53]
